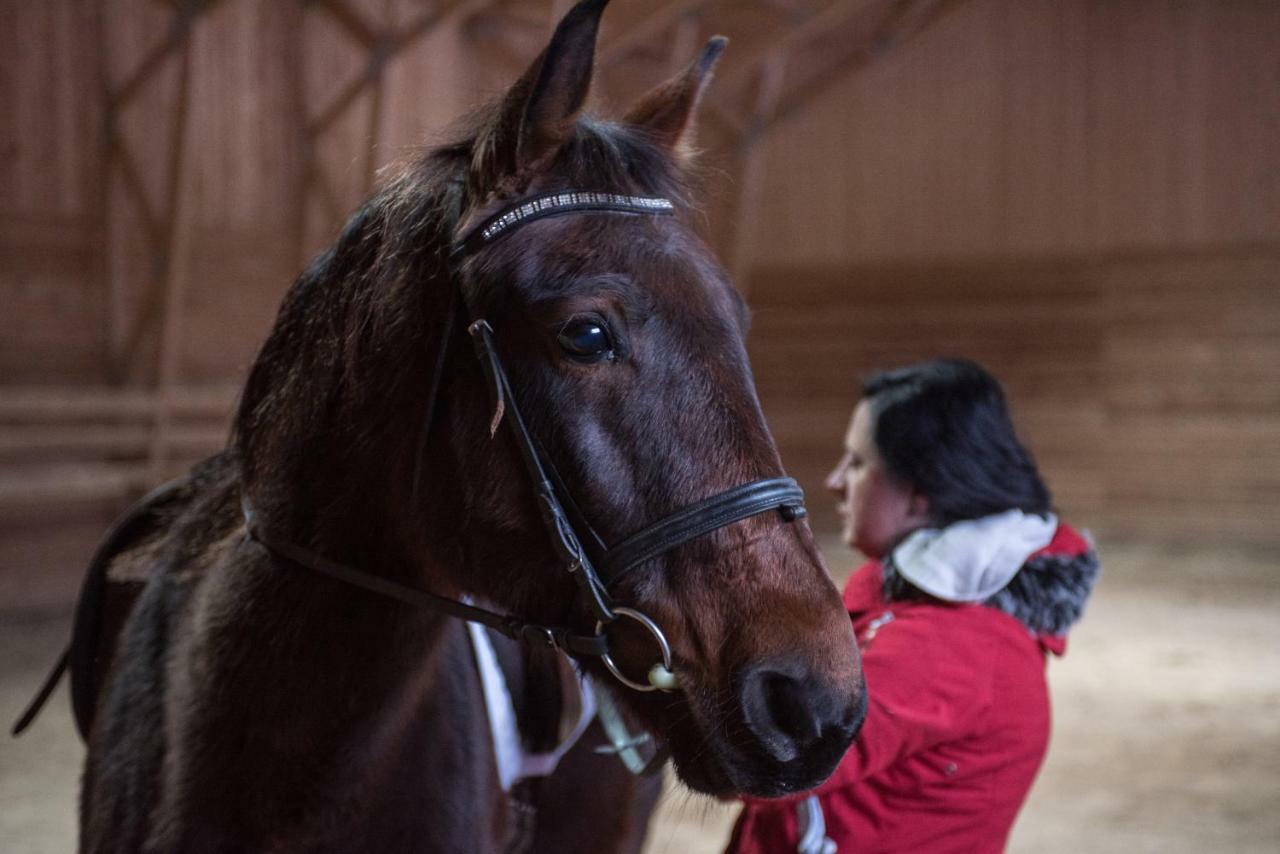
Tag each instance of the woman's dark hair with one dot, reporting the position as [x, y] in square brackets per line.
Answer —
[944, 428]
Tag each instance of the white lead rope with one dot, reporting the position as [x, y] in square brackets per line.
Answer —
[813, 828]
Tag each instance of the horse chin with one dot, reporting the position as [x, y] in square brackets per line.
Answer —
[720, 778]
[713, 765]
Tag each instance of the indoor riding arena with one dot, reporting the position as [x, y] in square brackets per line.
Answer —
[1081, 195]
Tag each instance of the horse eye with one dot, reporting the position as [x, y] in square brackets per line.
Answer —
[586, 339]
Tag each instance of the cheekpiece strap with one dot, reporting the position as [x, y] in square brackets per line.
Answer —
[553, 204]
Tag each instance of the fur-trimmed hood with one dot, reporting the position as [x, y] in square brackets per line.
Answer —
[1047, 595]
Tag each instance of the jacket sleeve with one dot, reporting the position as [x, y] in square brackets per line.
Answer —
[928, 682]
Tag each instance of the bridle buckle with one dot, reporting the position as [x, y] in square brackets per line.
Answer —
[535, 634]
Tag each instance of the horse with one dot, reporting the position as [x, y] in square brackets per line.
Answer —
[517, 353]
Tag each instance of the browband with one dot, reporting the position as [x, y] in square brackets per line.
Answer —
[553, 204]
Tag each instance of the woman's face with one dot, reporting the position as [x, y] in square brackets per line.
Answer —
[878, 510]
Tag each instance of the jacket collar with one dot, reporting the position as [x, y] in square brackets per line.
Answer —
[970, 561]
[1047, 593]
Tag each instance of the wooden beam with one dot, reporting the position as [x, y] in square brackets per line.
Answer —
[319, 183]
[185, 15]
[647, 31]
[145, 319]
[133, 184]
[383, 46]
[128, 334]
[98, 184]
[20, 444]
[777, 94]
[58, 404]
[905, 21]
[352, 22]
[56, 486]
[883, 26]
[177, 272]
[341, 102]
[292, 59]
[125, 339]
[753, 154]
[834, 17]
[438, 14]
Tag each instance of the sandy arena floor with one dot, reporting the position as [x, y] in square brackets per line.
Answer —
[1167, 737]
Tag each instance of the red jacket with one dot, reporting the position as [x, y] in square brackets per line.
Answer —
[956, 728]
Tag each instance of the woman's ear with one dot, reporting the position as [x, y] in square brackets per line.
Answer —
[919, 508]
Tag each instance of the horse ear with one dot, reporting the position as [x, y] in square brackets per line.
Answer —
[666, 113]
[539, 112]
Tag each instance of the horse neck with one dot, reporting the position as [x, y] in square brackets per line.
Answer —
[331, 431]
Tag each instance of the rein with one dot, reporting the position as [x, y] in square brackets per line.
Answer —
[565, 523]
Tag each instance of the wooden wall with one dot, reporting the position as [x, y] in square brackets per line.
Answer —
[167, 170]
[1038, 127]
[1083, 193]
[1147, 385]
[50, 232]
[1086, 197]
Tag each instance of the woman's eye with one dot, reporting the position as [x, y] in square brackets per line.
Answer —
[586, 339]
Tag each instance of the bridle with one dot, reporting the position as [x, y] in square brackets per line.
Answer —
[594, 566]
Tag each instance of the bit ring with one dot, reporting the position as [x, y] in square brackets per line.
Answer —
[657, 635]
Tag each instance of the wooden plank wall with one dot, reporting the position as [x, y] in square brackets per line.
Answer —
[1024, 128]
[1082, 195]
[228, 142]
[1051, 186]
[1146, 385]
[51, 236]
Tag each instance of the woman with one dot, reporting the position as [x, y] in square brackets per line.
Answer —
[971, 581]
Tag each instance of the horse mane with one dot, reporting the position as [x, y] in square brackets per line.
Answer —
[342, 378]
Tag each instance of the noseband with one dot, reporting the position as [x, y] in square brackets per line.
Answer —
[594, 566]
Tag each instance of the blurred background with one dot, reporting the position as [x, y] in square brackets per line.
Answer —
[1084, 196]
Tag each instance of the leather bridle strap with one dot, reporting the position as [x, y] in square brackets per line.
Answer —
[565, 523]
[563, 536]
[750, 499]
[742, 502]
[512, 627]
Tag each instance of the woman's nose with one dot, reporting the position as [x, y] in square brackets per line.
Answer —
[835, 481]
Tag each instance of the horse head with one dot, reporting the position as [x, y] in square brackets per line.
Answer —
[625, 342]
[370, 432]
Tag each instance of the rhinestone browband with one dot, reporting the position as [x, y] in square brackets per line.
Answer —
[557, 203]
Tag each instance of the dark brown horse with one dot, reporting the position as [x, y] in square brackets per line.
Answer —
[252, 702]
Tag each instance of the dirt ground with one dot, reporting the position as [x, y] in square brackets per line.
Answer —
[1166, 738]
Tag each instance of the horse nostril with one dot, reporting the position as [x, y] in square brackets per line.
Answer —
[788, 710]
[786, 714]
